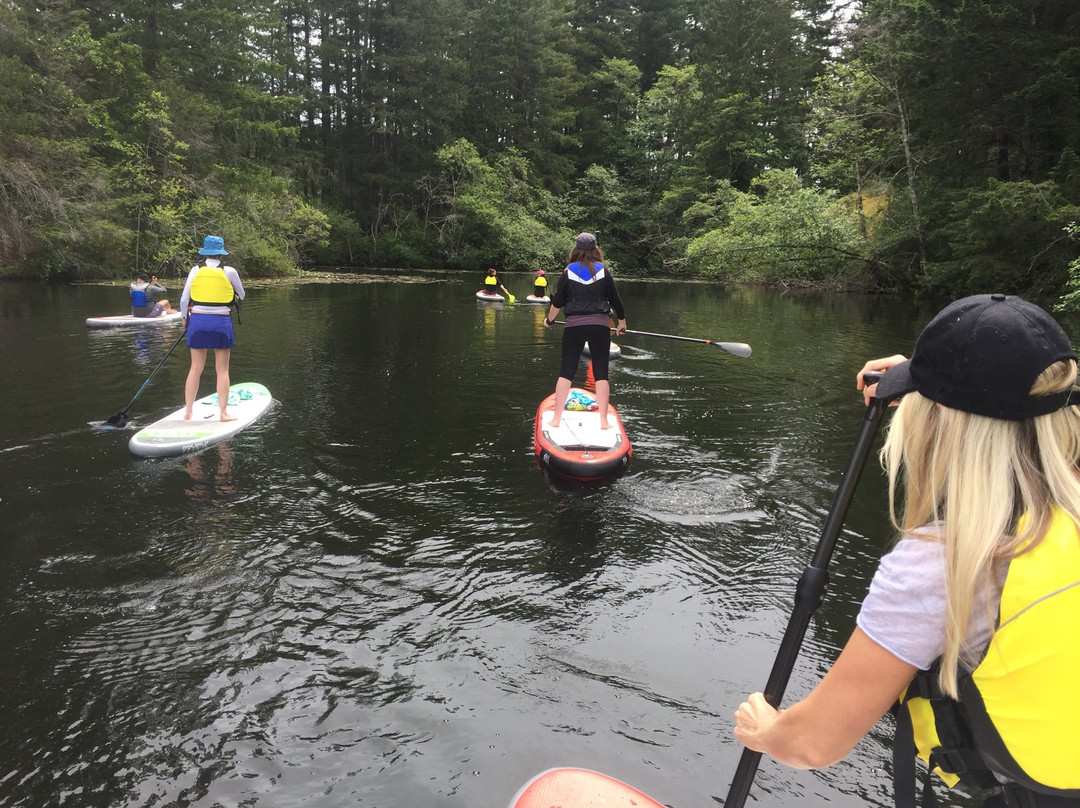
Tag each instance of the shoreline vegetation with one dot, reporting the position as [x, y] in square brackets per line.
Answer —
[407, 276]
[815, 144]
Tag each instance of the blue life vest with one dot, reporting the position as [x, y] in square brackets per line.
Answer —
[138, 298]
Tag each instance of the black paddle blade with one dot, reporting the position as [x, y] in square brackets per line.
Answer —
[118, 420]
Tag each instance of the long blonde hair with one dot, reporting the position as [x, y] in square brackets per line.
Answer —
[977, 476]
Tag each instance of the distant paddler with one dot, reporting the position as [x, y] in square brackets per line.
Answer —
[491, 283]
[540, 284]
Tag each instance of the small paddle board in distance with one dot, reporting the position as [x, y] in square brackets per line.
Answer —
[535, 299]
[578, 448]
[579, 788]
[128, 320]
[172, 435]
[614, 352]
[495, 298]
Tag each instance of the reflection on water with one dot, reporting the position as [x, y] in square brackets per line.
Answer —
[211, 476]
[375, 598]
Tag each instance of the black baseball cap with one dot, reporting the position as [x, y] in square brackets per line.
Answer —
[981, 354]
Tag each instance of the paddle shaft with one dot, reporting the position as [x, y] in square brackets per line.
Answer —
[153, 373]
[810, 591]
[734, 348]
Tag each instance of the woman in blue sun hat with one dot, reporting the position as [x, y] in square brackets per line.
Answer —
[210, 293]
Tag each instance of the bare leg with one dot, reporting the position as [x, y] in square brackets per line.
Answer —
[562, 392]
[603, 394]
[191, 386]
[221, 365]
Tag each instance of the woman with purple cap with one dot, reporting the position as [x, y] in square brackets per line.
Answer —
[587, 293]
[210, 293]
[969, 624]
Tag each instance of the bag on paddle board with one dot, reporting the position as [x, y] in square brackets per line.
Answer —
[581, 402]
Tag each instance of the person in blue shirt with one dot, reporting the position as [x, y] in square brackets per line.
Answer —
[145, 300]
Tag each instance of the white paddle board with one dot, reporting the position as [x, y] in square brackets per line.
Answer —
[495, 298]
[172, 435]
[129, 320]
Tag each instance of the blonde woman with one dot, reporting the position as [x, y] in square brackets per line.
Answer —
[978, 604]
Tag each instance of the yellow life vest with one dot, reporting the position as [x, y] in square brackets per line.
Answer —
[1019, 707]
[540, 281]
[210, 287]
[491, 280]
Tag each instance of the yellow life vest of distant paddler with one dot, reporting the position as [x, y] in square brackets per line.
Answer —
[211, 287]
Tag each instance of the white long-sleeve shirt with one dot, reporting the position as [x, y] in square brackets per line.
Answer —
[230, 273]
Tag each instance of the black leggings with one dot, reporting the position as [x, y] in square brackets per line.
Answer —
[573, 343]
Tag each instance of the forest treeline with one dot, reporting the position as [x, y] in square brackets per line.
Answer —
[923, 146]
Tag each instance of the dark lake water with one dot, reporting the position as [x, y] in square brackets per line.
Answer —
[375, 598]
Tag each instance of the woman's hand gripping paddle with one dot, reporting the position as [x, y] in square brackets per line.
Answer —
[120, 419]
[810, 591]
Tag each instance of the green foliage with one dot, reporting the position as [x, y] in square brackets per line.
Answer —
[783, 235]
[494, 213]
[346, 243]
[461, 133]
[849, 129]
[1070, 301]
[1004, 237]
[605, 207]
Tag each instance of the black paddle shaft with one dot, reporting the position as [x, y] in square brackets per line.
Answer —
[810, 591]
[121, 419]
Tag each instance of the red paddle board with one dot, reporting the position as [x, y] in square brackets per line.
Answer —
[579, 788]
[578, 448]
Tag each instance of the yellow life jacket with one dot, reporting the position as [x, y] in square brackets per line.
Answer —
[210, 287]
[491, 280]
[540, 281]
[1019, 712]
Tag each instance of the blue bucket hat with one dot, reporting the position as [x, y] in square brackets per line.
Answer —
[213, 245]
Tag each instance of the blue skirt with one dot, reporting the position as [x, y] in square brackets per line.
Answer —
[210, 331]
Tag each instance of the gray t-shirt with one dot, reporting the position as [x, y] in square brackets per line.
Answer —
[153, 290]
[904, 611]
